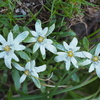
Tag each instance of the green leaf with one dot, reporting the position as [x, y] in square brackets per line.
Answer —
[16, 77]
[23, 55]
[65, 34]
[36, 82]
[5, 32]
[75, 77]
[15, 30]
[59, 46]
[50, 29]
[86, 43]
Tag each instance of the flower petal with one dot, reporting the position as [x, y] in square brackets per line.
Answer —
[34, 74]
[40, 68]
[38, 26]
[66, 46]
[34, 33]
[98, 71]
[21, 37]
[44, 31]
[61, 53]
[43, 52]
[51, 48]
[32, 64]
[48, 41]
[86, 62]
[67, 63]
[2, 40]
[74, 62]
[83, 54]
[18, 67]
[91, 67]
[19, 47]
[7, 61]
[2, 54]
[36, 47]
[97, 51]
[15, 57]
[10, 37]
[23, 77]
[27, 66]
[75, 48]
[74, 42]
[1, 48]
[59, 58]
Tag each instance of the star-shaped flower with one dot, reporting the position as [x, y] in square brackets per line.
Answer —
[40, 39]
[71, 51]
[94, 60]
[30, 70]
[8, 47]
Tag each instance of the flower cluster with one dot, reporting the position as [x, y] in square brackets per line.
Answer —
[41, 41]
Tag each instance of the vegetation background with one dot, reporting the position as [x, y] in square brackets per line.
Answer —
[80, 18]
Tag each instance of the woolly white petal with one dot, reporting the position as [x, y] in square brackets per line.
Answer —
[91, 67]
[61, 53]
[40, 68]
[66, 46]
[15, 57]
[7, 61]
[18, 67]
[83, 54]
[23, 77]
[42, 49]
[74, 62]
[32, 64]
[86, 62]
[27, 66]
[74, 42]
[51, 48]
[67, 64]
[98, 71]
[36, 47]
[2, 40]
[10, 37]
[34, 74]
[1, 48]
[44, 31]
[38, 26]
[48, 41]
[97, 51]
[21, 37]
[59, 58]
[2, 54]
[19, 47]
[34, 33]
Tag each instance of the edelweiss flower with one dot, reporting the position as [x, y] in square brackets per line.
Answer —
[30, 70]
[40, 39]
[8, 47]
[94, 60]
[68, 56]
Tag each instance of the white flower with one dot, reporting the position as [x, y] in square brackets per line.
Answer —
[94, 60]
[68, 56]
[8, 47]
[30, 70]
[40, 39]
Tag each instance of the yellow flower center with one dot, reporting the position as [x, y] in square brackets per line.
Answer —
[95, 58]
[7, 48]
[40, 39]
[70, 53]
[26, 72]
